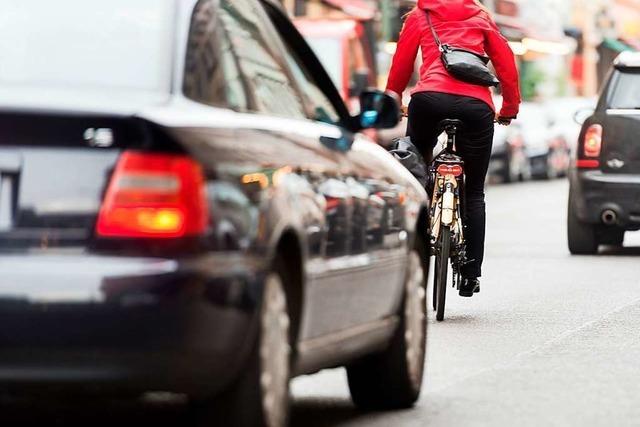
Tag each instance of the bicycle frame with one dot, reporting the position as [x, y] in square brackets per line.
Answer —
[447, 171]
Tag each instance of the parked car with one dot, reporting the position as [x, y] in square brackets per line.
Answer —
[604, 175]
[509, 161]
[561, 112]
[186, 205]
[548, 153]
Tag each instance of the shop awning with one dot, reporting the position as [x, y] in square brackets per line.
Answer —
[616, 45]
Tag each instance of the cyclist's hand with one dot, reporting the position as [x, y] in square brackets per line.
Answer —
[405, 110]
[505, 121]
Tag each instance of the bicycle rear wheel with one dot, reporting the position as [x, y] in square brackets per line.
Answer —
[440, 276]
[435, 283]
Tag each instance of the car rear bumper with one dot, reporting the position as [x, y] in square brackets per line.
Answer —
[125, 324]
[539, 163]
[594, 192]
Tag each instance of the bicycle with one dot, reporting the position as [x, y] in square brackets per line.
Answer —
[447, 228]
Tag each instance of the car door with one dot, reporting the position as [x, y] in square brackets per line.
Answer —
[357, 282]
[292, 167]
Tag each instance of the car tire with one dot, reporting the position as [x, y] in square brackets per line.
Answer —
[508, 174]
[581, 236]
[260, 397]
[392, 379]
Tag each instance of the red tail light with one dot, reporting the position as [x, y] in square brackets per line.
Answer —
[455, 170]
[592, 145]
[154, 196]
[587, 164]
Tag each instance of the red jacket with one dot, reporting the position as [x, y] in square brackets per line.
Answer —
[460, 23]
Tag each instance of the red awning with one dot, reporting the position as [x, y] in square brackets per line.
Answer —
[358, 9]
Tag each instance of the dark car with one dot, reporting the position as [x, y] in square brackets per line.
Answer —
[187, 206]
[604, 199]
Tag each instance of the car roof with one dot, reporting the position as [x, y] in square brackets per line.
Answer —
[627, 60]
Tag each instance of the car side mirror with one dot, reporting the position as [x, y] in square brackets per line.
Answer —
[582, 115]
[359, 82]
[378, 110]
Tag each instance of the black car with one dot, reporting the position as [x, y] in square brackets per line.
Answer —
[604, 199]
[187, 206]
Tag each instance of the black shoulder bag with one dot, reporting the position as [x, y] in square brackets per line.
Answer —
[463, 64]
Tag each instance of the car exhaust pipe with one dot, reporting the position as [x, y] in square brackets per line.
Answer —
[609, 217]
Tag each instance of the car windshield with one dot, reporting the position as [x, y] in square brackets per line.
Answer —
[626, 91]
[80, 44]
[330, 54]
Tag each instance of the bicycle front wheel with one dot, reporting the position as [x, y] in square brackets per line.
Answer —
[440, 276]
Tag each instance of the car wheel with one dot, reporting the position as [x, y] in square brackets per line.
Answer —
[393, 379]
[261, 396]
[581, 236]
[509, 173]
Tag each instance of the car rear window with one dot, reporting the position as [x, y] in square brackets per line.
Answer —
[625, 92]
[120, 44]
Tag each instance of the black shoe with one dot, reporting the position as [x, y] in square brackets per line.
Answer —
[469, 287]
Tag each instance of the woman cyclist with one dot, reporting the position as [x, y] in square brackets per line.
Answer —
[438, 95]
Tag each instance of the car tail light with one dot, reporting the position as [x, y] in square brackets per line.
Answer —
[332, 203]
[593, 141]
[587, 164]
[154, 196]
[455, 170]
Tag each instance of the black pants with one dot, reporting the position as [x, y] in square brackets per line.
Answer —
[473, 144]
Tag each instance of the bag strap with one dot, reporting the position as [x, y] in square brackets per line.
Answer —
[441, 47]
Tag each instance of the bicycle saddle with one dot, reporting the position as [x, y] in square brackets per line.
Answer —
[450, 126]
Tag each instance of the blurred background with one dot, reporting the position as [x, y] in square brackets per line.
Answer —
[564, 49]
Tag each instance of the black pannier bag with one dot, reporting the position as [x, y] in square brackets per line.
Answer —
[407, 154]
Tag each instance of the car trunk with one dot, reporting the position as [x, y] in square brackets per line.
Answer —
[54, 169]
[620, 144]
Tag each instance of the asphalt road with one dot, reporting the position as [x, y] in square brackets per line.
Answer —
[551, 340]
